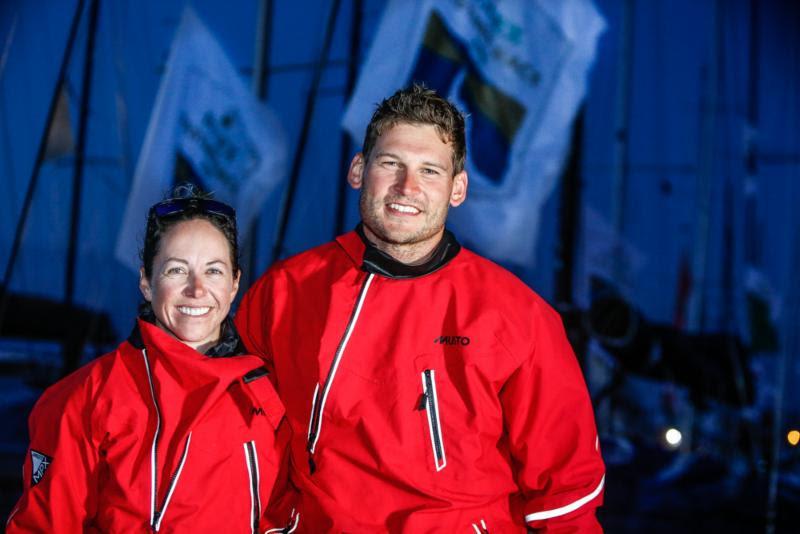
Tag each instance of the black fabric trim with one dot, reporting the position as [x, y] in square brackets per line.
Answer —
[378, 262]
[229, 344]
[255, 374]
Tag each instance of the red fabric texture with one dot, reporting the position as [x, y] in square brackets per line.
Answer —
[98, 426]
[515, 419]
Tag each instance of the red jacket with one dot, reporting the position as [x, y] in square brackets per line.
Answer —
[442, 398]
[156, 437]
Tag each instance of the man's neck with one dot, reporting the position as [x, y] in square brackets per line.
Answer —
[406, 253]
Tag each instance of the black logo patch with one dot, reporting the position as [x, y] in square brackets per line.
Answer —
[257, 411]
[452, 340]
[39, 462]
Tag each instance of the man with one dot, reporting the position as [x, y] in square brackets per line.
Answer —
[428, 389]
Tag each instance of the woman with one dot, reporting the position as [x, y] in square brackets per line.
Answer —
[176, 430]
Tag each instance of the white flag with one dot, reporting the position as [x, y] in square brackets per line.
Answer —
[205, 125]
[518, 68]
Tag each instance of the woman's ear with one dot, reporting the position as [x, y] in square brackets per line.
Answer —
[236, 280]
[144, 286]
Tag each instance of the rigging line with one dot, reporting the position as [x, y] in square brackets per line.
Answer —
[708, 142]
[294, 176]
[7, 46]
[622, 119]
[23, 218]
[11, 172]
[80, 151]
[347, 145]
[72, 355]
[791, 342]
[261, 60]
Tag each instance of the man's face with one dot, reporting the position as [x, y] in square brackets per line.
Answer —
[406, 187]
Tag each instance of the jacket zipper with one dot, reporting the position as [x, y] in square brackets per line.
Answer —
[430, 403]
[253, 473]
[320, 397]
[156, 513]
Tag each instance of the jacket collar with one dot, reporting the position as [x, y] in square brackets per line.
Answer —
[229, 344]
[373, 260]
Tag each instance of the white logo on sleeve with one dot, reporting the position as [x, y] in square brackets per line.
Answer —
[40, 462]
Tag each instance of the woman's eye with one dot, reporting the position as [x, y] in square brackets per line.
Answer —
[214, 270]
[175, 270]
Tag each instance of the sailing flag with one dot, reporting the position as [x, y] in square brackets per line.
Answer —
[518, 69]
[206, 128]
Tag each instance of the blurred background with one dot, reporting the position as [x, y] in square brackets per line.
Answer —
[636, 162]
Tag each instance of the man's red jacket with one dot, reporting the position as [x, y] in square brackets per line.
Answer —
[156, 436]
[441, 398]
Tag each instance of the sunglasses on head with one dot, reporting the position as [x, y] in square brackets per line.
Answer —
[174, 206]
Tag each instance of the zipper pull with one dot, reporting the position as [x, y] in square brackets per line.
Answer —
[312, 465]
[423, 402]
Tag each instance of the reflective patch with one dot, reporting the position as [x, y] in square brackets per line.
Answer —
[40, 463]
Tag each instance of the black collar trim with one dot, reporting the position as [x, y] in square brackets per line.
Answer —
[230, 344]
[378, 262]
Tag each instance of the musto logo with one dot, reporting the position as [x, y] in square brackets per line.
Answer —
[452, 340]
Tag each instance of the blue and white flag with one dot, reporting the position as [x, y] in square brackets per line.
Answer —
[206, 127]
[519, 69]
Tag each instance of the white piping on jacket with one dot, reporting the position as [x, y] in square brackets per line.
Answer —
[255, 500]
[483, 526]
[432, 405]
[174, 483]
[547, 514]
[291, 528]
[337, 358]
[313, 406]
[155, 522]
[153, 489]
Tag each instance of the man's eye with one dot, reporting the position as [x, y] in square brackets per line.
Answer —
[430, 171]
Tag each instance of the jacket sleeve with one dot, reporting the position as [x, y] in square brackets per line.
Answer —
[253, 319]
[60, 469]
[552, 435]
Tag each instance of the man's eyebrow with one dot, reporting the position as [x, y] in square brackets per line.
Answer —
[426, 163]
[383, 154]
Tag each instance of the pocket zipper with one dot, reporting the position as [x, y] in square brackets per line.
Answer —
[251, 459]
[430, 403]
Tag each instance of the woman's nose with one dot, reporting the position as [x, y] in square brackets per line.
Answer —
[195, 286]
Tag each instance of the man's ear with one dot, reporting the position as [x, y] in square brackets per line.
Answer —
[459, 193]
[144, 286]
[355, 175]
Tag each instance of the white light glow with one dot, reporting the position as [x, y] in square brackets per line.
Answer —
[673, 437]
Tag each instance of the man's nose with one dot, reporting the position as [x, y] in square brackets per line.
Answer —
[407, 182]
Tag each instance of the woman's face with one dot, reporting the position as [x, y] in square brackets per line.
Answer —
[193, 283]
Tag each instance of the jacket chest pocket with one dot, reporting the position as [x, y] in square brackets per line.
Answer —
[457, 411]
